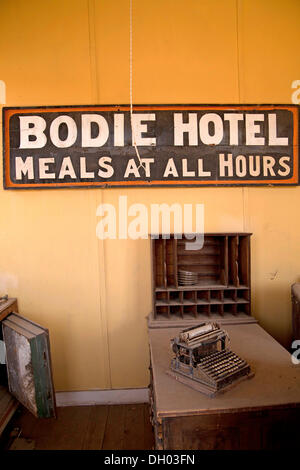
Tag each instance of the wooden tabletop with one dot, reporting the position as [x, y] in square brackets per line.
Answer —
[276, 382]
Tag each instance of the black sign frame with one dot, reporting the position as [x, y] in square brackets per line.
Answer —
[188, 151]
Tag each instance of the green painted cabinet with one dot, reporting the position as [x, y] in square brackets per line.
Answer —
[29, 364]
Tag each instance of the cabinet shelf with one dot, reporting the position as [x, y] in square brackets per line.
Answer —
[223, 277]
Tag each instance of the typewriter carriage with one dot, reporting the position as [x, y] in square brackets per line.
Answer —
[204, 361]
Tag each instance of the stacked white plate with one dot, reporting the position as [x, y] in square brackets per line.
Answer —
[187, 278]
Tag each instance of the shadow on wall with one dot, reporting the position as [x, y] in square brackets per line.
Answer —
[272, 307]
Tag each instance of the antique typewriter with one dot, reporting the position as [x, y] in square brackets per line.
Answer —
[204, 361]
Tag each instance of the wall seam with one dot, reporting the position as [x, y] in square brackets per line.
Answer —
[245, 190]
[238, 49]
[99, 243]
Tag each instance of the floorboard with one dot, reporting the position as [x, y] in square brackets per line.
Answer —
[149, 434]
[93, 439]
[114, 432]
[95, 427]
[134, 428]
[67, 432]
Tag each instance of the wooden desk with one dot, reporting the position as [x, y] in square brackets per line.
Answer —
[260, 413]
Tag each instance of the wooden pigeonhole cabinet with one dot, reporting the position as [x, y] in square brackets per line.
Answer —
[259, 413]
[221, 288]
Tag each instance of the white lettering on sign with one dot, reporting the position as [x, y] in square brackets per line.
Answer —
[233, 119]
[119, 130]
[268, 163]
[211, 129]
[252, 129]
[106, 170]
[140, 127]
[71, 131]
[240, 166]
[254, 167]
[225, 165]
[103, 131]
[44, 168]
[210, 132]
[171, 169]
[217, 135]
[229, 167]
[132, 169]
[24, 168]
[273, 139]
[189, 127]
[185, 171]
[191, 145]
[287, 169]
[66, 169]
[201, 172]
[147, 162]
[83, 171]
[32, 126]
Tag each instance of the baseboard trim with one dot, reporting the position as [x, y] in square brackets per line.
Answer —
[102, 397]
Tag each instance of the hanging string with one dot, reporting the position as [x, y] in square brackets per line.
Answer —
[130, 90]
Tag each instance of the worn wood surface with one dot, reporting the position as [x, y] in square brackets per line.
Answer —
[256, 430]
[29, 364]
[261, 413]
[8, 406]
[11, 305]
[276, 381]
[113, 427]
[225, 319]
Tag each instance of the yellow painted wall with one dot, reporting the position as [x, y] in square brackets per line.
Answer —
[94, 295]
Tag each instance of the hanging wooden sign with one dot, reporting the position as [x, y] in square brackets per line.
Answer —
[161, 145]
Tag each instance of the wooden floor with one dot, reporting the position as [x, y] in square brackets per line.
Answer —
[113, 427]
